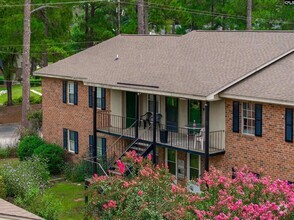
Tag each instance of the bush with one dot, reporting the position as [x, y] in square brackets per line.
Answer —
[27, 146]
[4, 153]
[76, 172]
[2, 188]
[33, 100]
[54, 156]
[42, 204]
[27, 175]
[35, 117]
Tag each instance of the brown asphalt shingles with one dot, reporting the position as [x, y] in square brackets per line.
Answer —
[198, 63]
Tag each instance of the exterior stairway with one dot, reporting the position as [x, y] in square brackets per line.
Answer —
[142, 149]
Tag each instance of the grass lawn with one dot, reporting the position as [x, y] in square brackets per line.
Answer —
[71, 196]
[14, 161]
[17, 93]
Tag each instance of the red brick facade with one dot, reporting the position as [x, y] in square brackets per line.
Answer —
[271, 152]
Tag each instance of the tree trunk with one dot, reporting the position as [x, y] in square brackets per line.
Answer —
[26, 64]
[146, 17]
[249, 14]
[118, 17]
[9, 92]
[140, 16]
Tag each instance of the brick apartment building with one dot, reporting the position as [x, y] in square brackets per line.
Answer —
[220, 98]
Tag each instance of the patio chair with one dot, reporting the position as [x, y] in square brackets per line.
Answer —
[145, 118]
[200, 137]
[158, 119]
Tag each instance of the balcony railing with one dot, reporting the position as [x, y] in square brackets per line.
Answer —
[177, 137]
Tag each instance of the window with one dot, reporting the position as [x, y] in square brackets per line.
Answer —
[194, 166]
[99, 147]
[99, 97]
[71, 92]
[150, 100]
[71, 141]
[171, 161]
[248, 118]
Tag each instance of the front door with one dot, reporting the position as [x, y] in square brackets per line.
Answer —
[130, 108]
[172, 114]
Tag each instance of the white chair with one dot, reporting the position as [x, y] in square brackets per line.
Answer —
[200, 138]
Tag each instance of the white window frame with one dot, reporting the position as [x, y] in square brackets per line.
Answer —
[99, 96]
[188, 166]
[157, 100]
[69, 142]
[250, 110]
[68, 92]
[166, 162]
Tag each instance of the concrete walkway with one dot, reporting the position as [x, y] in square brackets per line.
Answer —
[8, 135]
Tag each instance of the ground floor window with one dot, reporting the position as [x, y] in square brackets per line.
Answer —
[194, 166]
[71, 141]
[171, 161]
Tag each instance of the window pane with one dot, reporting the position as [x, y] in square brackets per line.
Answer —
[71, 142]
[99, 146]
[171, 155]
[248, 118]
[194, 173]
[194, 161]
[172, 167]
[71, 98]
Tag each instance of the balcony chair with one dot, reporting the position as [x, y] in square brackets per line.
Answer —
[200, 137]
[145, 118]
[158, 119]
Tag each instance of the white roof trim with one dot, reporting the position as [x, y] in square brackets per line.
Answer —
[211, 96]
[59, 76]
[255, 99]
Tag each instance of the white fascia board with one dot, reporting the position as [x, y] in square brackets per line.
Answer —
[255, 99]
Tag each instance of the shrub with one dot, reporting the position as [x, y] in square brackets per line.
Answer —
[151, 192]
[42, 204]
[35, 117]
[4, 153]
[33, 100]
[2, 188]
[76, 172]
[27, 146]
[27, 175]
[54, 156]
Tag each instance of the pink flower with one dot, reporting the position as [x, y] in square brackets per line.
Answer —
[126, 184]
[174, 188]
[149, 157]
[140, 192]
[121, 166]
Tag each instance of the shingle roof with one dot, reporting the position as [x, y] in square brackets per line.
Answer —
[198, 64]
[10, 211]
[273, 84]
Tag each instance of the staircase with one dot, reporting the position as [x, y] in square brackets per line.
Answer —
[141, 147]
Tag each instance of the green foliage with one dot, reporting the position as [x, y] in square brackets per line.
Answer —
[27, 175]
[35, 117]
[44, 205]
[76, 172]
[2, 188]
[8, 152]
[27, 146]
[33, 100]
[54, 156]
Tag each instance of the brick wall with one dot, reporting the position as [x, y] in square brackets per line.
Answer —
[269, 152]
[58, 115]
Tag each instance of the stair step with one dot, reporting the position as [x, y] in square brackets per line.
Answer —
[114, 172]
[138, 149]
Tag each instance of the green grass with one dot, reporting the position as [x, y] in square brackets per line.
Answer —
[71, 196]
[13, 161]
[17, 93]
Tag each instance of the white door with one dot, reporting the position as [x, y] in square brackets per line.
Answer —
[193, 172]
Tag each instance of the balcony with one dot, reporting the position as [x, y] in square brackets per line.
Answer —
[179, 138]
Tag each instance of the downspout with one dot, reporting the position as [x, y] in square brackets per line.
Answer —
[207, 136]
[154, 131]
[94, 130]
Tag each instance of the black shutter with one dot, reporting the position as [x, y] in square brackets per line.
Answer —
[103, 99]
[103, 146]
[76, 135]
[90, 96]
[75, 93]
[65, 138]
[289, 125]
[91, 145]
[236, 116]
[258, 120]
[64, 85]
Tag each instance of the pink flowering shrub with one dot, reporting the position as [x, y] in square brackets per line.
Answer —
[149, 193]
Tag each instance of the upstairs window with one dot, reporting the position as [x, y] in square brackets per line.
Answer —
[248, 118]
[71, 92]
